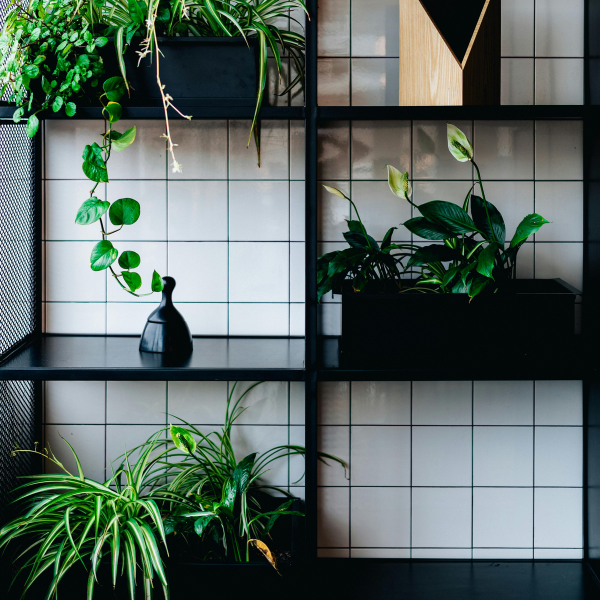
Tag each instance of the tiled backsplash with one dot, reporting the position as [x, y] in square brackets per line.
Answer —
[542, 52]
[444, 470]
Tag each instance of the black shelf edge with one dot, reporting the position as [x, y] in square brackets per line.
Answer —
[156, 112]
[560, 361]
[117, 358]
[491, 113]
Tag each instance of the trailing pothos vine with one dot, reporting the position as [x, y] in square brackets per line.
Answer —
[124, 211]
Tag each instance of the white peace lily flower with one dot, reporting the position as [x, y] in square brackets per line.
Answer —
[336, 192]
[399, 183]
[458, 144]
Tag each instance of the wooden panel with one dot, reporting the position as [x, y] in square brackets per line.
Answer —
[481, 71]
[429, 73]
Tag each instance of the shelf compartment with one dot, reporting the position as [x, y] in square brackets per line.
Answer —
[117, 358]
[155, 112]
[449, 113]
[564, 360]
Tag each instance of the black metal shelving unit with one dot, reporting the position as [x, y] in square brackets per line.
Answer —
[35, 357]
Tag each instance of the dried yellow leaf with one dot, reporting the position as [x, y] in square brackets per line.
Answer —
[264, 549]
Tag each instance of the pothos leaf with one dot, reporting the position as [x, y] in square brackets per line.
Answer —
[132, 279]
[125, 211]
[157, 282]
[91, 210]
[103, 255]
[129, 259]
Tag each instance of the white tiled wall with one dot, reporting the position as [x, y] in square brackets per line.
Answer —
[542, 52]
[438, 470]
[483, 469]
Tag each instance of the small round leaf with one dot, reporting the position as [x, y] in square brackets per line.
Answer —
[70, 109]
[114, 111]
[125, 211]
[103, 255]
[132, 279]
[129, 260]
[91, 210]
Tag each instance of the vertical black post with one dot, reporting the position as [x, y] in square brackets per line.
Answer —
[311, 282]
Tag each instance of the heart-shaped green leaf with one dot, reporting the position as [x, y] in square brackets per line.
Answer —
[448, 215]
[32, 71]
[125, 211]
[114, 111]
[103, 255]
[129, 260]
[132, 279]
[120, 141]
[157, 282]
[91, 210]
[94, 166]
[114, 88]
[183, 439]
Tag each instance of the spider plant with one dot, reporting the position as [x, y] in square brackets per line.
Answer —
[205, 18]
[68, 518]
[215, 496]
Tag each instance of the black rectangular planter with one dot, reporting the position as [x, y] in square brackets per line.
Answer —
[196, 71]
[379, 329]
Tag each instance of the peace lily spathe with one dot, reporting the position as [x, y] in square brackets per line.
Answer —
[399, 183]
[458, 144]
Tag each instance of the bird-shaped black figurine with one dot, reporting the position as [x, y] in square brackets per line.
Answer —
[166, 331]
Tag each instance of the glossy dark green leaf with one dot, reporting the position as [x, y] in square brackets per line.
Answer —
[114, 111]
[529, 225]
[229, 493]
[132, 279]
[431, 254]
[70, 109]
[427, 230]
[101, 42]
[486, 260]
[114, 88]
[46, 85]
[450, 275]
[357, 240]
[201, 523]
[157, 282]
[448, 215]
[129, 259]
[125, 211]
[32, 71]
[242, 472]
[94, 166]
[135, 11]
[481, 221]
[91, 210]
[103, 255]
[387, 238]
[478, 284]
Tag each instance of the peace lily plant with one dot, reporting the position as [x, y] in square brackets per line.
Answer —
[471, 254]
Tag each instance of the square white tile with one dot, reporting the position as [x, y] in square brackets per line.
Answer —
[69, 277]
[129, 317]
[559, 403]
[152, 196]
[504, 149]
[441, 518]
[197, 210]
[62, 201]
[333, 37]
[334, 151]
[259, 272]
[381, 402]
[297, 402]
[75, 317]
[333, 517]
[335, 440]
[559, 456]
[259, 210]
[201, 149]
[274, 151]
[333, 81]
[375, 81]
[297, 211]
[517, 27]
[197, 402]
[377, 143]
[88, 443]
[561, 203]
[558, 518]
[297, 313]
[297, 272]
[559, 150]
[450, 191]
[136, 402]
[560, 260]
[431, 158]
[258, 319]
[64, 142]
[517, 81]
[559, 28]
[380, 209]
[334, 402]
[370, 506]
[503, 403]
[193, 265]
[559, 81]
[205, 318]
[380, 456]
[375, 28]
[503, 456]
[267, 402]
[74, 402]
[146, 158]
[297, 150]
[442, 402]
[441, 456]
[503, 517]
[128, 438]
[333, 213]
[153, 258]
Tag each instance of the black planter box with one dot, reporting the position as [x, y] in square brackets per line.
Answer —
[379, 329]
[196, 71]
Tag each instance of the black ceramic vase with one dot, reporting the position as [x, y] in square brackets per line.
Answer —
[166, 331]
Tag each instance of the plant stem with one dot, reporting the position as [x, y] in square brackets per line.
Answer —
[487, 214]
